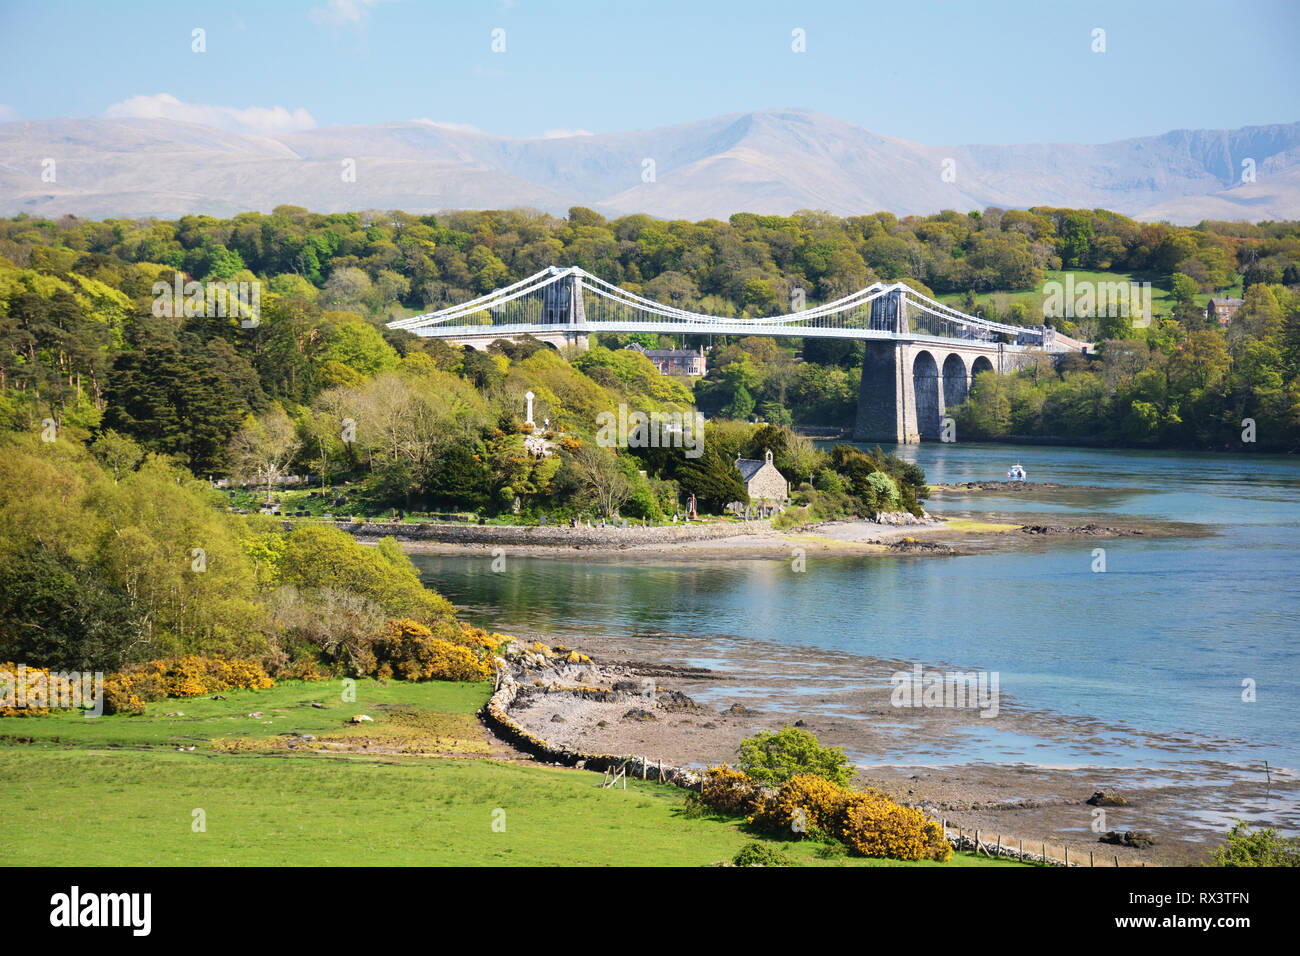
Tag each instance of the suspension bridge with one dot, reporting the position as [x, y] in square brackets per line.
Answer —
[921, 355]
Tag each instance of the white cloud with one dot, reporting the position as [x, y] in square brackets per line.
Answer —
[347, 13]
[566, 133]
[454, 127]
[259, 120]
[7, 113]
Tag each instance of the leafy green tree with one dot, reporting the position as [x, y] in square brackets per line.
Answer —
[460, 478]
[318, 556]
[119, 453]
[1182, 287]
[1264, 847]
[1075, 235]
[359, 346]
[773, 758]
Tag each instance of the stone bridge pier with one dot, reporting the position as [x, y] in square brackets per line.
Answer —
[908, 387]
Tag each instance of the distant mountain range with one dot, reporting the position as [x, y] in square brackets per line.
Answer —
[767, 161]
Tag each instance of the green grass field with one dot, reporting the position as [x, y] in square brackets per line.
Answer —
[1161, 302]
[116, 790]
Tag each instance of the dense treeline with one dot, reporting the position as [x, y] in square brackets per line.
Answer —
[80, 342]
[113, 412]
[108, 559]
[1203, 387]
[749, 265]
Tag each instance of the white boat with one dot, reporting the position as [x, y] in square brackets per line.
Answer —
[1017, 473]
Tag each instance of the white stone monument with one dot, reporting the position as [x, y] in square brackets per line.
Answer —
[529, 396]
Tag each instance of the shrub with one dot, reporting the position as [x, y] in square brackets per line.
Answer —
[302, 668]
[729, 791]
[35, 680]
[826, 479]
[120, 696]
[773, 758]
[761, 854]
[790, 518]
[317, 557]
[129, 690]
[867, 822]
[870, 824]
[803, 801]
[412, 651]
[337, 627]
[1265, 847]
[887, 497]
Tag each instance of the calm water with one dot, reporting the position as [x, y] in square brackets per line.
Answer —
[1160, 642]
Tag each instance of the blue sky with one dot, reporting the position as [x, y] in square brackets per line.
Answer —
[934, 72]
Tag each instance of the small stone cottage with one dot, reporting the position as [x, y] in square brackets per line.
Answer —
[763, 482]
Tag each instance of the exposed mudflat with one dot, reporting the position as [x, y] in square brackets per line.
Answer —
[1182, 789]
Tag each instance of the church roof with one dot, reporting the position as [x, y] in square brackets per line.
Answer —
[749, 467]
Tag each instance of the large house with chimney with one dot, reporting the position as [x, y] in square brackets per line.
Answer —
[674, 361]
[1223, 309]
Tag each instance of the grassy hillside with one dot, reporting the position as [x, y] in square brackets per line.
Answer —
[1032, 299]
[329, 801]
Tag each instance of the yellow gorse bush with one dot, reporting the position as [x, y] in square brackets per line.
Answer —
[730, 791]
[819, 799]
[129, 690]
[874, 825]
[411, 651]
[867, 821]
[34, 680]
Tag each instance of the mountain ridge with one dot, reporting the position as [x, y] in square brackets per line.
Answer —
[764, 161]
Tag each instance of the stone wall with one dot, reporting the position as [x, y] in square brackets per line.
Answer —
[497, 716]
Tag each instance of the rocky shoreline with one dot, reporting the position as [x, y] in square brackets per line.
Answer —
[642, 707]
[536, 677]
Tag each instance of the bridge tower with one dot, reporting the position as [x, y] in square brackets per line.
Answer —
[562, 306]
[886, 398]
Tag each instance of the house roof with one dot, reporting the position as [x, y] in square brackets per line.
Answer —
[664, 353]
[672, 353]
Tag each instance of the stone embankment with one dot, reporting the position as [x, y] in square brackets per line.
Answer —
[514, 679]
